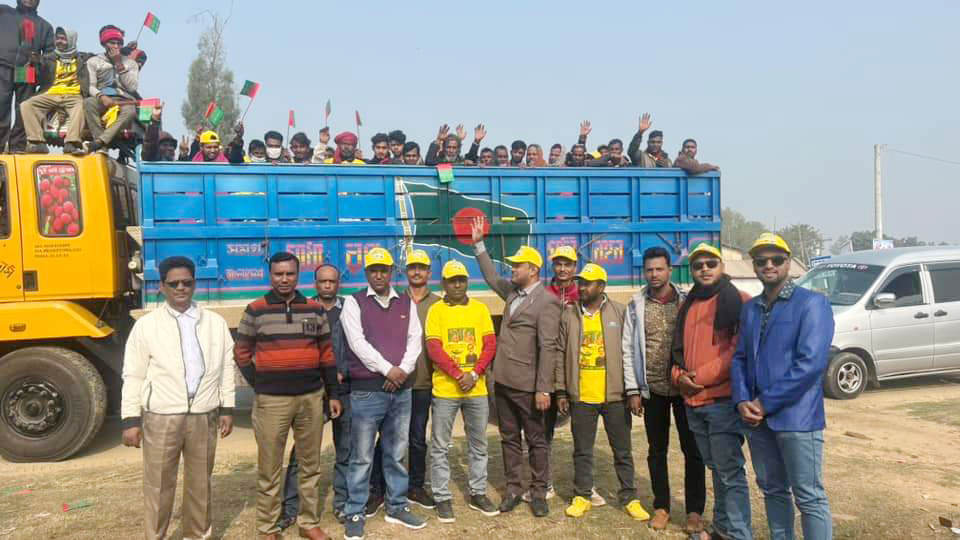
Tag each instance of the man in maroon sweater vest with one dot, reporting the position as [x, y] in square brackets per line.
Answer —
[384, 339]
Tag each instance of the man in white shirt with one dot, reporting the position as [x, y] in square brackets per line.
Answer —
[384, 338]
[178, 392]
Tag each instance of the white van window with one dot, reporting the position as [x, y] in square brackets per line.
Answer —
[946, 282]
[905, 285]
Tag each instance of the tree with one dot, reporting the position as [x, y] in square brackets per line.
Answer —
[738, 231]
[840, 244]
[804, 240]
[210, 80]
[864, 240]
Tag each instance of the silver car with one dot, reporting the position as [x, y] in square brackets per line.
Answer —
[897, 315]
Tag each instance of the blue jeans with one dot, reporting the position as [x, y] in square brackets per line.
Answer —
[791, 461]
[386, 413]
[719, 433]
[476, 412]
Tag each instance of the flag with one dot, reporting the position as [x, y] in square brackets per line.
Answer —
[145, 110]
[214, 114]
[359, 123]
[25, 74]
[210, 108]
[27, 31]
[152, 22]
[250, 89]
[445, 171]
[326, 112]
[292, 122]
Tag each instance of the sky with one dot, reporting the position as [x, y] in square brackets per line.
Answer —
[787, 98]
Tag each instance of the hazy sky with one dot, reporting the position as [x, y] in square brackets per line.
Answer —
[788, 98]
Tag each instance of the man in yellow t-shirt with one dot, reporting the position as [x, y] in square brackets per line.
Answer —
[461, 344]
[590, 384]
[60, 84]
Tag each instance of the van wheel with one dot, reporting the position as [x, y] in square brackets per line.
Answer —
[52, 404]
[846, 376]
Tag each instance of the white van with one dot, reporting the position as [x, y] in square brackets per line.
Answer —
[897, 315]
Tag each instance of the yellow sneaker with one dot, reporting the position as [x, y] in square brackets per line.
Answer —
[635, 509]
[579, 507]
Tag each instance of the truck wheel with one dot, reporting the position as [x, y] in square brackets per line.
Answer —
[846, 376]
[52, 404]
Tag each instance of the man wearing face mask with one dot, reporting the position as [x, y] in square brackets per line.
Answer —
[256, 152]
[16, 51]
[346, 153]
[273, 141]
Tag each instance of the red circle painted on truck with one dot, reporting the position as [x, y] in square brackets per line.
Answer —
[463, 223]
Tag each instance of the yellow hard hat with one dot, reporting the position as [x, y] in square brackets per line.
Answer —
[593, 272]
[418, 256]
[772, 240]
[704, 248]
[209, 137]
[376, 256]
[454, 269]
[527, 254]
[567, 252]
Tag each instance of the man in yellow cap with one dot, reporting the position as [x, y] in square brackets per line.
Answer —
[527, 353]
[384, 338]
[461, 344]
[778, 389]
[708, 324]
[590, 383]
[210, 151]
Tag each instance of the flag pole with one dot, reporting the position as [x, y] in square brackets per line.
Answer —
[244, 115]
[138, 36]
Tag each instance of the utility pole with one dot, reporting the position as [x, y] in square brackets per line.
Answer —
[877, 193]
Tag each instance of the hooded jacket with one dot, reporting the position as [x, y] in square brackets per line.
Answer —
[47, 73]
[12, 52]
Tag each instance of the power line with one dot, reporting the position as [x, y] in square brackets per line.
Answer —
[922, 156]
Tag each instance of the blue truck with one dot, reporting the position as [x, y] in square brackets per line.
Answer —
[80, 240]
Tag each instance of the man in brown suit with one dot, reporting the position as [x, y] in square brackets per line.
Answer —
[523, 370]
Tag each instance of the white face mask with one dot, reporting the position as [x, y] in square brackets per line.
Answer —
[256, 159]
[273, 152]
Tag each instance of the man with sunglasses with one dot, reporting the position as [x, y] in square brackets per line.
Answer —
[778, 389]
[703, 345]
[178, 393]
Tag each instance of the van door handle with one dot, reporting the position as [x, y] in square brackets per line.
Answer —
[940, 313]
[921, 315]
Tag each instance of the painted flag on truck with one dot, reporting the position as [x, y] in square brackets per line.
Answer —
[250, 89]
[152, 22]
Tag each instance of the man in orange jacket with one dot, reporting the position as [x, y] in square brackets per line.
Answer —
[703, 347]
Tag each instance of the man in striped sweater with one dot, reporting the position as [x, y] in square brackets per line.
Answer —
[284, 352]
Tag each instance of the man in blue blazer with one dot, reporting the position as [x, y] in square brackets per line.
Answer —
[777, 373]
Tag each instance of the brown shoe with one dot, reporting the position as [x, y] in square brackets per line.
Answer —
[694, 523]
[315, 533]
[660, 519]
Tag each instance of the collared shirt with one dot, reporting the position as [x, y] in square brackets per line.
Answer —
[522, 295]
[369, 356]
[785, 294]
[193, 366]
[587, 312]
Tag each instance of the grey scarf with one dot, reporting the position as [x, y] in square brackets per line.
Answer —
[70, 53]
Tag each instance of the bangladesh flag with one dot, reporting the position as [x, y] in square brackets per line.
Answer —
[443, 216]
[152, 22]
[213, 114]
[145, 110]
[250, 89]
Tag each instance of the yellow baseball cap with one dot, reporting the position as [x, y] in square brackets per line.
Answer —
[593, 272]
[527, 254]
[567, 252]
[704, 248]
[769, 239]
[377, 255]
[209, 137]
[418, 256]
[454, 269]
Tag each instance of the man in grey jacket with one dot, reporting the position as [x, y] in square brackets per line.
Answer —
[114, 79]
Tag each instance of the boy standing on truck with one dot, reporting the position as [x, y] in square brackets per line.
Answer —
[178, 393]
[284, 352]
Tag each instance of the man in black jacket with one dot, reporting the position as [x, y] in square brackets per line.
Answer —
[24, 38]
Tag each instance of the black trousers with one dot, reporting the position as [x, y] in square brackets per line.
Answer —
[419, 414]
[656, 420]
[516, 414]
[616, 422]
[8, 91]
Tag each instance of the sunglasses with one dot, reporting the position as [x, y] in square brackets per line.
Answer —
[712, 263]
[187, 283]
[777, 260]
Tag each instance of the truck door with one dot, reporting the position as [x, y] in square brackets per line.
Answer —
[11, 259]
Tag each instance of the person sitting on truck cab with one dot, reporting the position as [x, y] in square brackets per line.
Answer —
[346, 152]
[113, 81]
[210, 150]
[687, 159]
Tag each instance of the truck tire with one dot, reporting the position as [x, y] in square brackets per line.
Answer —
[846, 376]
[52, 404]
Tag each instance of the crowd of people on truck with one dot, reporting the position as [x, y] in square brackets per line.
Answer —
[382, 363]
[96, 97]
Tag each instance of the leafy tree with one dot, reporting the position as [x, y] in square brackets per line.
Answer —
[211, 80]
[738, 231]
[804, 240]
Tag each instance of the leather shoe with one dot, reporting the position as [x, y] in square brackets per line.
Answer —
[315, 533]
[286, 522]
[660, 520]
[509, 503]
[539, 507]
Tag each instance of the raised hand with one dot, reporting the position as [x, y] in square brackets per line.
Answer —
[184, 145]
[461, 133]
[585, 128]
[479, 133]
[645, 122]
[238, 129]
[476, 229]
[443, 133]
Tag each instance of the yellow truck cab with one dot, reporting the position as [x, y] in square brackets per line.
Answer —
[65, 296]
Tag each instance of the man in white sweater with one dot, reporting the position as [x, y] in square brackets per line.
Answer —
[178, 393]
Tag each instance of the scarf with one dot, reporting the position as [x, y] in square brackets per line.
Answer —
[69, 54]
[726, 322]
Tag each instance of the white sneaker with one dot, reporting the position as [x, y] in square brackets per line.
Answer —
[596, 499]
[551, 493]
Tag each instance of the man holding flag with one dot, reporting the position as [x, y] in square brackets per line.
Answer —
[24, 36]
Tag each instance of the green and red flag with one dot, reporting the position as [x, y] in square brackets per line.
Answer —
[214, 114]
[359, 123]
[292, 122]
[25, 74]
[152, 22]
[250, 89]
[445, 172]
[145, 109]
[27, 31]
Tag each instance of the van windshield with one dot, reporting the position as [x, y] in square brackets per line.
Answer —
[843, 283]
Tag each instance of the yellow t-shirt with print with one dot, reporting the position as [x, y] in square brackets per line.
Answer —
[461, 330]
[66, 82]
[593, 361]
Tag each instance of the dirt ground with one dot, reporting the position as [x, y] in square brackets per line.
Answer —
[892, 469]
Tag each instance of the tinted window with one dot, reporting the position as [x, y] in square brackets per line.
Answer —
[946, 282]
[905, 285]
[58, 200]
